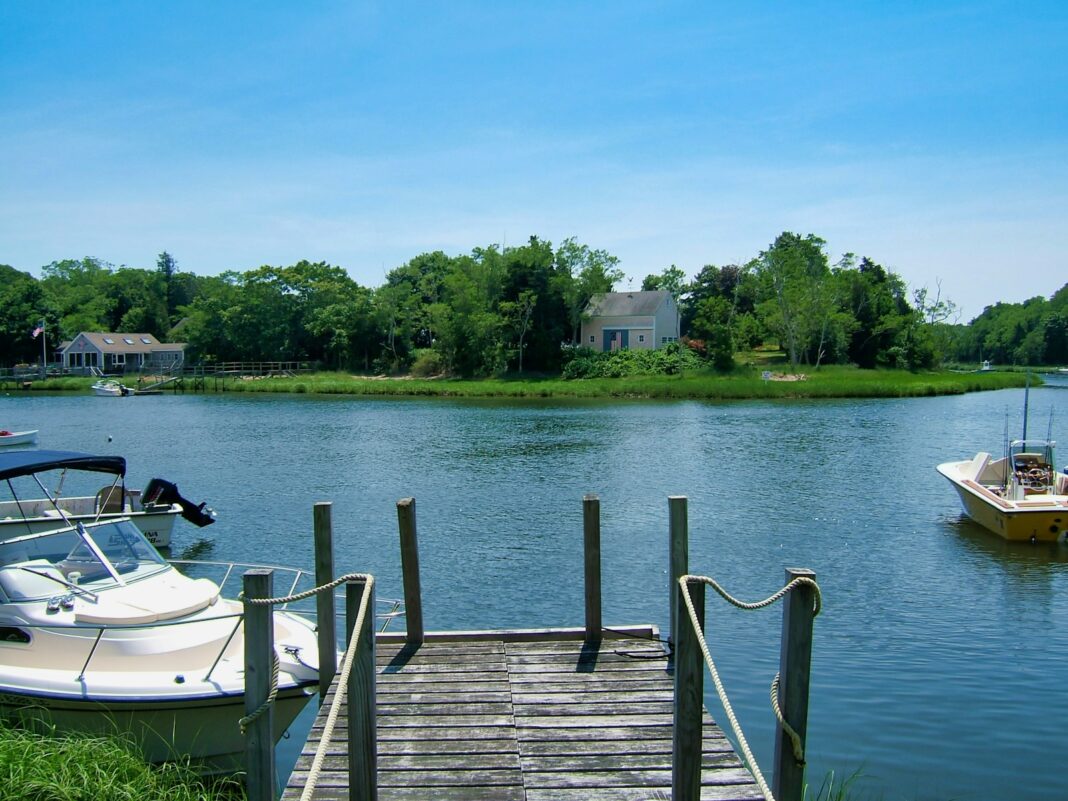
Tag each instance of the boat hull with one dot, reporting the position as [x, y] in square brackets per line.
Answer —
[203, 730]
[157, 526]
[18, 438]
[1038, 519]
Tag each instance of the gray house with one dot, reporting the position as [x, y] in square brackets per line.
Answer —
[635, 320]
[115, 353]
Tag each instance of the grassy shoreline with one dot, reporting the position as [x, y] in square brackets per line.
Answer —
[828, 382]
[81, 767]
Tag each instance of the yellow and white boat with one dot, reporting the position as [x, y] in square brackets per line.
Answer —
[1020, 497]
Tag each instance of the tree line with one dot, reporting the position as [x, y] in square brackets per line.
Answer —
[519, 309]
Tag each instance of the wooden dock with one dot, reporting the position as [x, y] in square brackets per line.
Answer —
[524, 716]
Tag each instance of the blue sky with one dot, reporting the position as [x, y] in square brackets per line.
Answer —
[930, 137]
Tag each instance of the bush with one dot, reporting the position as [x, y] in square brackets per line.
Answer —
[672, 359]
[427, 363]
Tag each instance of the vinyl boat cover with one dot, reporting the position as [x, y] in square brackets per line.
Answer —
[25, 463]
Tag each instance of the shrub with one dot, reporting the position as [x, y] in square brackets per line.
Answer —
[427, 363]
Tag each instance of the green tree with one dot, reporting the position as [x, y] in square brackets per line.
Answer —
[789, 271]
[78, 290]
[581, 273]
[23, 305]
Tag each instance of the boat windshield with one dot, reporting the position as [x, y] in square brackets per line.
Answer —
[40, 566]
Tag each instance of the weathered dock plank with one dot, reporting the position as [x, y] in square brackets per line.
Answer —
[540, 720]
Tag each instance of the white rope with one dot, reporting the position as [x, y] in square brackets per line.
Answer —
[300, 596]
[246, 721]
[743, 744]
[272, 693]
[339, 694]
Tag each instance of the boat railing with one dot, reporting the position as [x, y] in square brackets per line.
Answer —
[297, 579]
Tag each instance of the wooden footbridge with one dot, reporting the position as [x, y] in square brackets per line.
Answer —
[583, 714]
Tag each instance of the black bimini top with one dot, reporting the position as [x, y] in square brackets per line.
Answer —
[25, 463]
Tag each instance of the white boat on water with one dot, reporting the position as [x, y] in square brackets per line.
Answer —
[111, 389]
[17, 437]
[33, 508]
[98, 633]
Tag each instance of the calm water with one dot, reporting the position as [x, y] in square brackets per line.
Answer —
[940, 653]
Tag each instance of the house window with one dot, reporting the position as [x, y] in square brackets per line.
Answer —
[127, 340]
[118, 358]
[593, 338]
[641, 337]
[109, 340]
[146, 340]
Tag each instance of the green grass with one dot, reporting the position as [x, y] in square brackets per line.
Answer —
[833, 789]
[744, 383]
[38, 767]
[828, 382]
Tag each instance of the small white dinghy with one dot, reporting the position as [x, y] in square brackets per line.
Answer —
[17, 437]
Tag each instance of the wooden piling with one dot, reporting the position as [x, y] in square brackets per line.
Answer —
[795, 661]
[360, 694]
[259, 667]
[413, 604]
[591, 536]
[679, 556]
[686, 735]
[324, 601]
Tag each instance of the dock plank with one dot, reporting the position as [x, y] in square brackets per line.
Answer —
[534, 720]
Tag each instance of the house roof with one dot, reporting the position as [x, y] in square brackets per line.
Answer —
[107, 342]
[626, 304]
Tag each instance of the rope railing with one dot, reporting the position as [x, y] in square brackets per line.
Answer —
[244, 722]
[356, 681]
[340, 693]
[743, 744]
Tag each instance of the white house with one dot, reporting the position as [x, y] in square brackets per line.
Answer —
[635, 320]
[112, 353]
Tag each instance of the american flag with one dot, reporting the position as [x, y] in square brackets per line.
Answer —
[39, 329]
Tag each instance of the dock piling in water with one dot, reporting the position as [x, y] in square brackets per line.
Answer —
[795, 661]
[679, 557]
[409, 545]
[324, 601]
[591, 537]
[360, 695]
[259, 666]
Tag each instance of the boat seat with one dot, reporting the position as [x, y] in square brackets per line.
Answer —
[21, 585]
[977, 466]
[148, 603]
[110, 500]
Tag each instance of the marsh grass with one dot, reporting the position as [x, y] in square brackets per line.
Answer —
[77, 767]
[743, 384]
[833, 789]
[828, 382]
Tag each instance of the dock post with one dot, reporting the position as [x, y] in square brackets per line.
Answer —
[413, 602]
[259, 666]
[679, 558]
[795, 661]
[591, 537]
[686, 735]
[324, 601]
[360, 692]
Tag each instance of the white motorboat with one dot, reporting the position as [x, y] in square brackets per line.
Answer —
[37, 509]
[17, 437]
[98, 633]
[111, 389]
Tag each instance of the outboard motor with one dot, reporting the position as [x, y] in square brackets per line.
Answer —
[161, 491]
